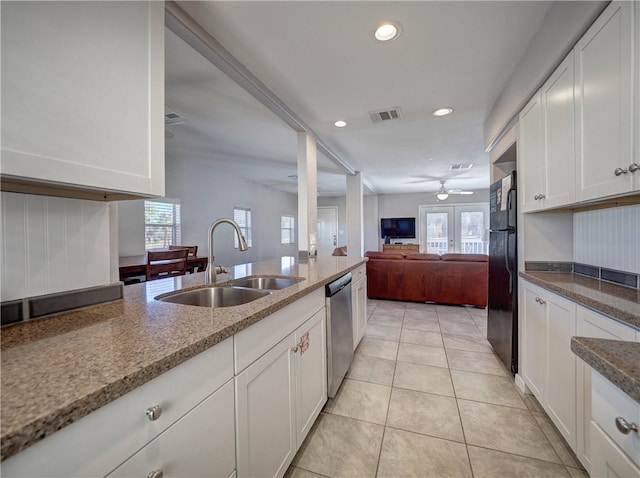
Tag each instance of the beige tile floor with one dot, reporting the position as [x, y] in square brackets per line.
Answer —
[426, 397]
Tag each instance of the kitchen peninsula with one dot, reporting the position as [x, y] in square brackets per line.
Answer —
[59, 369]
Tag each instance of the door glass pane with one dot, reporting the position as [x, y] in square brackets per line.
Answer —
[437, 227]
[472, 232]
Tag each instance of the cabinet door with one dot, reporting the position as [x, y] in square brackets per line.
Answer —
[83, 97]
[591, 324]
[530, 155]
[607, 459]
[359, 301]
[558, 140]
[311, 373]
[535, 341]
[265, 413]
[202, 443]
[604, 112]
[560, 402]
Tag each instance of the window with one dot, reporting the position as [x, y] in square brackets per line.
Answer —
[161, 224]
[287, 229]
[242, 216]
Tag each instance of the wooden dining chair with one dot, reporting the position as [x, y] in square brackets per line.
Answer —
[192, 251]
[162, 264]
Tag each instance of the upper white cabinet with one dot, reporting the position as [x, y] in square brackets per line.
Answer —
[83, 98]
[604, 83]
[546, 143]
[530, 160]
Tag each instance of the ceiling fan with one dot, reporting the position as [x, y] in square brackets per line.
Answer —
[443, 193]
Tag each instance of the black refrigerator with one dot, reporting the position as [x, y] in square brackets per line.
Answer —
[502, 318]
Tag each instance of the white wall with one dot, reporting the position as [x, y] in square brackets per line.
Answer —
[53, 244]
[608, 238]
[206, 193]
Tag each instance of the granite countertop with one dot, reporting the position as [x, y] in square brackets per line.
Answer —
[616, 360]
[620, 302]
[58, 369]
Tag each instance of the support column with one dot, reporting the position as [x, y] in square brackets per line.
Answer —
[307, 195]
[355, 211]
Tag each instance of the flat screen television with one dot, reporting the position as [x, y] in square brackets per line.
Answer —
[398, 227]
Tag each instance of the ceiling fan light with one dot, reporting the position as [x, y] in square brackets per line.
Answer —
[442, 195]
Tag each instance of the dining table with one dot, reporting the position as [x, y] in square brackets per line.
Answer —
[134, 266]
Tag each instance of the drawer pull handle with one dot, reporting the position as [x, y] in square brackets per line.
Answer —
[155, 474]
[619, 171]
[153, 413]
[625, 427]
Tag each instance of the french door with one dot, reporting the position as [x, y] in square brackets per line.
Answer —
[456, 228]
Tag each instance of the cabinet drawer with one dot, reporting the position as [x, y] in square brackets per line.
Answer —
[99, 442]
[609, 402]
[208, 451]
[252, 342]
[359, 273]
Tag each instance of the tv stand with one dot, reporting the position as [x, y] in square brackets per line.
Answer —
[401, 248]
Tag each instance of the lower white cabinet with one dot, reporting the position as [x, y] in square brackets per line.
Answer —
[592, 324]
[613, 452]
[549, 365]
[359, 303]
[607, 459]
[202, 443]
[278, 398]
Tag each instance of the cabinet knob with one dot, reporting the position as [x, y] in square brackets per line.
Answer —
[539, 196]
[153, 413]
[540, 301]
[633, 167]
[155, 474]
[625, 427]
[619, 171]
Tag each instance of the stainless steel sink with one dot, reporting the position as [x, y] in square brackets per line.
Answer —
[215, 296]
[267, 283]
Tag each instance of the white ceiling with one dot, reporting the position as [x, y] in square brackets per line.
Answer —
[322, 62]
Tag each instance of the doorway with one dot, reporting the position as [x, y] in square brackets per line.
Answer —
[457, 228]
[327, 230]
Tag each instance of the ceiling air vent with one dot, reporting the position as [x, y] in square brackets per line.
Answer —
[460, 166]
[385, 115]
[172, 118]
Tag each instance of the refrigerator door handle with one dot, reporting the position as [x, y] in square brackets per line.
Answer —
[506, 264]
[509, 205]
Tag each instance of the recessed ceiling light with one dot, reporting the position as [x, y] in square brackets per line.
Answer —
[340, 124]
[444, 111]
[387, 31]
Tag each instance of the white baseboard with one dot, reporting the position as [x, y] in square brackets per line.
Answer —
[520, 383]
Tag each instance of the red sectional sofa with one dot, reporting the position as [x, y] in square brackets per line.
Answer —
[447, 279]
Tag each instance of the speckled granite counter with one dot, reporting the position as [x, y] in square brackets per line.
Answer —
[616, 360]
[58, 369]
[619, 302]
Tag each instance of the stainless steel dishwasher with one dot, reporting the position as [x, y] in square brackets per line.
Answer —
[339, 332]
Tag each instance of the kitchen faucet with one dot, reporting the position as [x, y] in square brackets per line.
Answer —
[210, 278]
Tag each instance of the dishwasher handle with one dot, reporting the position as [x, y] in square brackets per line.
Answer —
[336, 286]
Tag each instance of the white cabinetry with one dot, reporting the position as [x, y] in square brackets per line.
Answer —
[549, 365]
[281, 385]
[613, 453]
[592, 324]
[604, 85]
[202, 443]
[546, 143]
[530, 150]
[359, 303]
[105, 439]
[83, 98]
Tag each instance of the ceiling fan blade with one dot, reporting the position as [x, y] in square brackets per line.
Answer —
[456, 191]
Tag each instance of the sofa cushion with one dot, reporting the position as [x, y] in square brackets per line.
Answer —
[457, 257]
[385, 255]
[422, 256]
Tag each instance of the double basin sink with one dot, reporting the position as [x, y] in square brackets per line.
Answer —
[237, 292]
